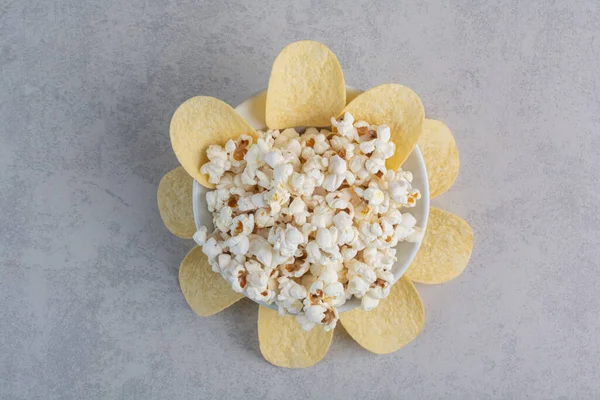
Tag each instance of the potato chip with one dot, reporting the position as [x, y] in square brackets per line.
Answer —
[205, 291]
[445, 250]
[393, 324]
[253, 110]
[396, 106]
[441, 156]
[198, 123]
[175, 203]
[351, 94]
[306, 87]
[283, 342]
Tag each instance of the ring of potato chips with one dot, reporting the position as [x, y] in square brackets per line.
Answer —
[395, 322]
[174, 197]
[200, 122]
[440, 153]
[205, 291]
[306, 87]
[445, 250]
[283, 342]
[398, 107]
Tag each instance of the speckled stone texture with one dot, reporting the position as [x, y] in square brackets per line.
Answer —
[90, 306]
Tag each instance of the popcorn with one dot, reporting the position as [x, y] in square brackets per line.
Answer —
[217, 165]
[261, 249]
[263, 219]
[296, 269]
[285, 137]
[212, 248]
[327, 239]
[313, 252]
[357, 166]
[344, 126]
[275, 198]
[375, 165]
[290, 296]
[238, 245]
[200, 236]
[297, 209]
[239, 279]
[224, 219]
[338, 173]
[322, 216]
[243, 224]
[348, 253]
[224, 262]
[360, 276]
[286, 241]
[306, 222]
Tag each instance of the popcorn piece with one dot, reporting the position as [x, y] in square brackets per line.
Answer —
[322, 216]
[373, 196]
[313, 252]
[286, 240]
[239, 280]
[243, 224]
[360, 277]
[297, 209]
[224, 262]
[327, 239]
[345, 127]
[224, 219]
[375, 165]
[217, 165]
[290, 296]
[338, 173]
[285, 137]
[263, 218]
[348, 253]
[296, 269]
[212, 248]
[200, 236]
[261, 249]
[238, 245]
[275, 198]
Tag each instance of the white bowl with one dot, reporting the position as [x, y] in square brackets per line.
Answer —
[253, 111]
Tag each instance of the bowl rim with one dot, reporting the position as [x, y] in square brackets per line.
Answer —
[250, 109]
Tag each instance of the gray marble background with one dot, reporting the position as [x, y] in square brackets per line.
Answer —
[90, 305]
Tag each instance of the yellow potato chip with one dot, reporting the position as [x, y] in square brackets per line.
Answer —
[205, 291]
[441, 156]
[198, 123]
[283, 342]
[306, 87]
[445, 250]
[396, 106]
[351, 94]
[393, 324]
[174, 197]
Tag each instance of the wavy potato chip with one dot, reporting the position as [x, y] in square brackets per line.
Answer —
[445, 250]
[283, 342]
[396, 106]
[174, 197]
[441, 156]
[306, 87]
[395, 322]
[205, 291]
[198, 123]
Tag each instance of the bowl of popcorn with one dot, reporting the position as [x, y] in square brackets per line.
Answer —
[312, 200]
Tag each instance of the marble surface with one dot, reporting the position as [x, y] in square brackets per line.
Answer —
[90, 305]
